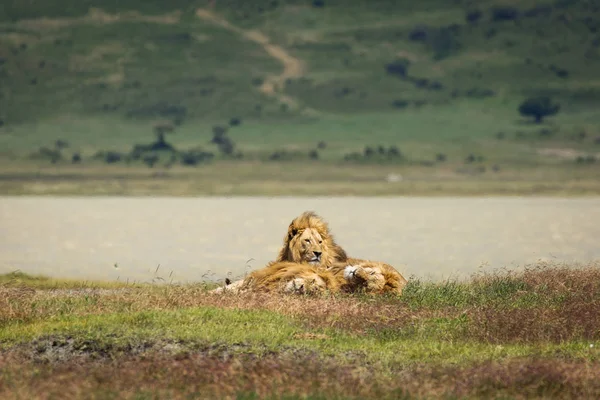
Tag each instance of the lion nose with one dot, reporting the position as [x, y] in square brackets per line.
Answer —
[318, 253]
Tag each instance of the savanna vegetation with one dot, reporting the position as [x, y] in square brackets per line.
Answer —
[528, 333]
[318, 97]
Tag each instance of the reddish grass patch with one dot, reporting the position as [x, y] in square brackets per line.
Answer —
[292, 373]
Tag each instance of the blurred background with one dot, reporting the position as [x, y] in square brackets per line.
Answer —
[321, 97]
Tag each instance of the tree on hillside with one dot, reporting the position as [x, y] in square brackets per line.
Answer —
[538, 107]
[160, 129]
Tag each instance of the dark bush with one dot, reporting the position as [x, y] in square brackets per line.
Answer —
[111, 157]
[194, 157]
[318, 3]
[313, 155]
[76, 158]
[1, 122]
[560, 72]
[394, 152]
[381, 150]
[368, 152]
[61, 144]
[538, 107]
[470, 159]
[321, 145]
[500, 135]
[400, 103]
[473, 16]
[504, 13]
[235, 121]
[419, 33]
[440, 157]
[398, 68]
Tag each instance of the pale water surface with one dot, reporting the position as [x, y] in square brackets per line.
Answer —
[206, 238]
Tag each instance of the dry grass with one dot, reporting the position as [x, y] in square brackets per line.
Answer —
[528, 334]
[542, 304]
[294, 375]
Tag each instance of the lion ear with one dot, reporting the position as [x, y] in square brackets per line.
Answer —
[293, 232]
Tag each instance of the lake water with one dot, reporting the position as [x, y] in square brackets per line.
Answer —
[206, 238]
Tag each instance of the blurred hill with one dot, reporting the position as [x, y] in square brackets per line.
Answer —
[99, 73]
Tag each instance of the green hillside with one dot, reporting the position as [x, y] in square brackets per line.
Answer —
[427, 77]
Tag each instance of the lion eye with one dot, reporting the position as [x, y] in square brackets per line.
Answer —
[307, 240]
[320, 241]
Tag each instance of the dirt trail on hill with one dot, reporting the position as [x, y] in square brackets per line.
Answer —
[273, 84]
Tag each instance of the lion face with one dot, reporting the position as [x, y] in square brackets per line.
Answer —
[307, 247]
[370, 276]
[308, 240]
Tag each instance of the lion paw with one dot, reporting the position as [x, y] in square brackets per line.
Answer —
[350, 272]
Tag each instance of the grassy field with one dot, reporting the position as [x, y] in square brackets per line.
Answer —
[532, 334]
[300, 85]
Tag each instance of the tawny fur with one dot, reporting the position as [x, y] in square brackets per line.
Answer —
[310, 260]
[288, 277]
[369, 277]
[307, 233]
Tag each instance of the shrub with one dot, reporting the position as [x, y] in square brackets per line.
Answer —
[398, 68]
[400, 103]
[111, 157]
[76, 158]
[194, 157]
[235, 121]
[393, 152]
[440, 157]
[538, 107]
[61, 144]
[313, 155]
[419, 33]
[473, 16]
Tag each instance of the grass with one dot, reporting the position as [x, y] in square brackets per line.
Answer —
[98, 79]
[532, 333]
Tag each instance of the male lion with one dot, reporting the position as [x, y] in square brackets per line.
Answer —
[286, 277]
[308, 239]
[310, 260]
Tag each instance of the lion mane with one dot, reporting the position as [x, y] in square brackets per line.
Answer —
[309, 233]
[310, 261]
